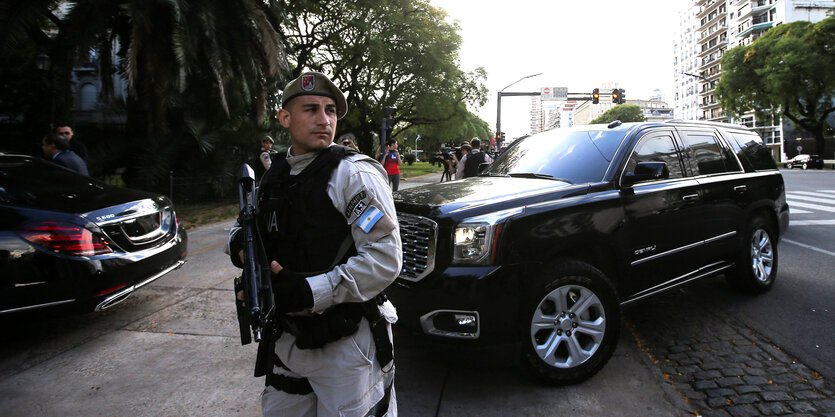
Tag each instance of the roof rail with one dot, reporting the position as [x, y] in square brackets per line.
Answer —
[705, 122]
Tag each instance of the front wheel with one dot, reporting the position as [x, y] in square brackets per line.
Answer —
[804, 166]
[756, 267]
[574, 322]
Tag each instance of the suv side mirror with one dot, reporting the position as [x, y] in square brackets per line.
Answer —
[646, 171]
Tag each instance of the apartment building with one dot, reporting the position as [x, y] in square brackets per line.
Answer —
[685, 68]
[723, 24]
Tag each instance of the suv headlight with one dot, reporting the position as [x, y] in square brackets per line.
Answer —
[475, 238]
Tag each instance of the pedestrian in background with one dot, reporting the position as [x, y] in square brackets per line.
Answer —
[56, 148]
[474, 159]
[459, 168]
[348, 140]
[264, 157]
[77, 147]
[391, 161]
[325, 208]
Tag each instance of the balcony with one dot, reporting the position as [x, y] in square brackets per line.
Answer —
[756, 28]
[715, 47]
[709, 6]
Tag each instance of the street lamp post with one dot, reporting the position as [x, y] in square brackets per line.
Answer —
[499, 104]
[416, 141]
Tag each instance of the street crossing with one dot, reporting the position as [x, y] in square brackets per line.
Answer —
[805, 204]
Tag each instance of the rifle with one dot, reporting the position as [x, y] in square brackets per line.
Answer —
[257, 311]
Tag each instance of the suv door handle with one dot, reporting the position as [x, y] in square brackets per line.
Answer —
[741, 188]
[690, 197]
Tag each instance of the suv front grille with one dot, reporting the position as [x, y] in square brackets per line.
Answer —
[419, 235]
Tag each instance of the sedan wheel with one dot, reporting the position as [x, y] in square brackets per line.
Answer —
[574, 323]
[804, 165]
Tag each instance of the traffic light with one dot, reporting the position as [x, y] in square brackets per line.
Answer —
[622, 96]
[616, 96]
[595, 96]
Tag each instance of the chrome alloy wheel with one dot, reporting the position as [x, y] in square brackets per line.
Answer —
[568, 326]
[762, 255]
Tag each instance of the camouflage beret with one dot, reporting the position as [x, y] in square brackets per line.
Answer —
[315, 84]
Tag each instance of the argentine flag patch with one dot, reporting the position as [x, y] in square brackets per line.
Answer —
[369, 218]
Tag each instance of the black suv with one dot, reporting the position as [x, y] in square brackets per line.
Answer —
[568, 226]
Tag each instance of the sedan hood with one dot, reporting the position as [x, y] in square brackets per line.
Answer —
[473, 192]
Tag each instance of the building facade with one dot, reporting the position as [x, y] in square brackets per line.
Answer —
[715, 26]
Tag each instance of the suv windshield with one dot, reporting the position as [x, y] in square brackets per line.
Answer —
[573, 156]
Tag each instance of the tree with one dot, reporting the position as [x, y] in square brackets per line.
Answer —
[787, 70]
[202, 76]
[398, 53]
[623, 112]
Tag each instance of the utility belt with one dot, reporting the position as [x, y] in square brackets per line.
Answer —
[314, 332]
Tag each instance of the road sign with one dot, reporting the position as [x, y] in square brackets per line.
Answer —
[553, 93]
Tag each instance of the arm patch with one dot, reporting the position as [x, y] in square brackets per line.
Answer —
[356, 206]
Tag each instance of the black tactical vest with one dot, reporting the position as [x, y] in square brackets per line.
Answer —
[300, 228]
[472, 163]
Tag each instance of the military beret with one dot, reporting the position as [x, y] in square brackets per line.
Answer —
[315, 84]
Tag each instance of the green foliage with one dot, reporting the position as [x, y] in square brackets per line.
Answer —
[201, 75]
[409, 158]
[789, 68]
[399, 53]
[204, 76]
[623, 112]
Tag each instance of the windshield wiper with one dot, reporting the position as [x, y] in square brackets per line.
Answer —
[538, 175]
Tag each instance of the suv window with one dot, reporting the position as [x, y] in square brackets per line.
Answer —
[708, 156]
[752, 152]
[578, 156]
[658, 147]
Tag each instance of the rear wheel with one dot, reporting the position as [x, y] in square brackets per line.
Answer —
[756, 267]
[789, 165]
[573, 323]
[804, 165]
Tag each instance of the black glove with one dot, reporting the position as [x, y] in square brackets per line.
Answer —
[292, 292]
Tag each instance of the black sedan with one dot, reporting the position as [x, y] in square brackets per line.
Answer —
[67, 238]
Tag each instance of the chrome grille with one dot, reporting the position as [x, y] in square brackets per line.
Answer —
[419, 236]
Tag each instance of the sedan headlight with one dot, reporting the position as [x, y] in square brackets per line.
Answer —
[475, 239]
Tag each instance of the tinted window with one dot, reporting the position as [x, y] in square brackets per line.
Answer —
[706, 153]
[657, 148]
[34, 182]
[752, 152]
[579, 157]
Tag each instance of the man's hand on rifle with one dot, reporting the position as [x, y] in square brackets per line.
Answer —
[292, 292]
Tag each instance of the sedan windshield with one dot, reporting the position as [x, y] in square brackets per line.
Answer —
[564, 155]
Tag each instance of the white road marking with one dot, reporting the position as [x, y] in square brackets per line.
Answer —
[819, 193]
[806, 198]
[803, 245]
[799, 211]
[811, 206]
[811, 222]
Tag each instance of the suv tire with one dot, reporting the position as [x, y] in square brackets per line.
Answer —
[573, 323]
[756, 267]
[804, 166]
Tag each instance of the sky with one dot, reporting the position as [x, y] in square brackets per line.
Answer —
[578, 44]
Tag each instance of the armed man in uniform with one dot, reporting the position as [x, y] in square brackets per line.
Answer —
[328, 223]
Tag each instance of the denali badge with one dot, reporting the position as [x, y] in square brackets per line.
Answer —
[645, 250]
